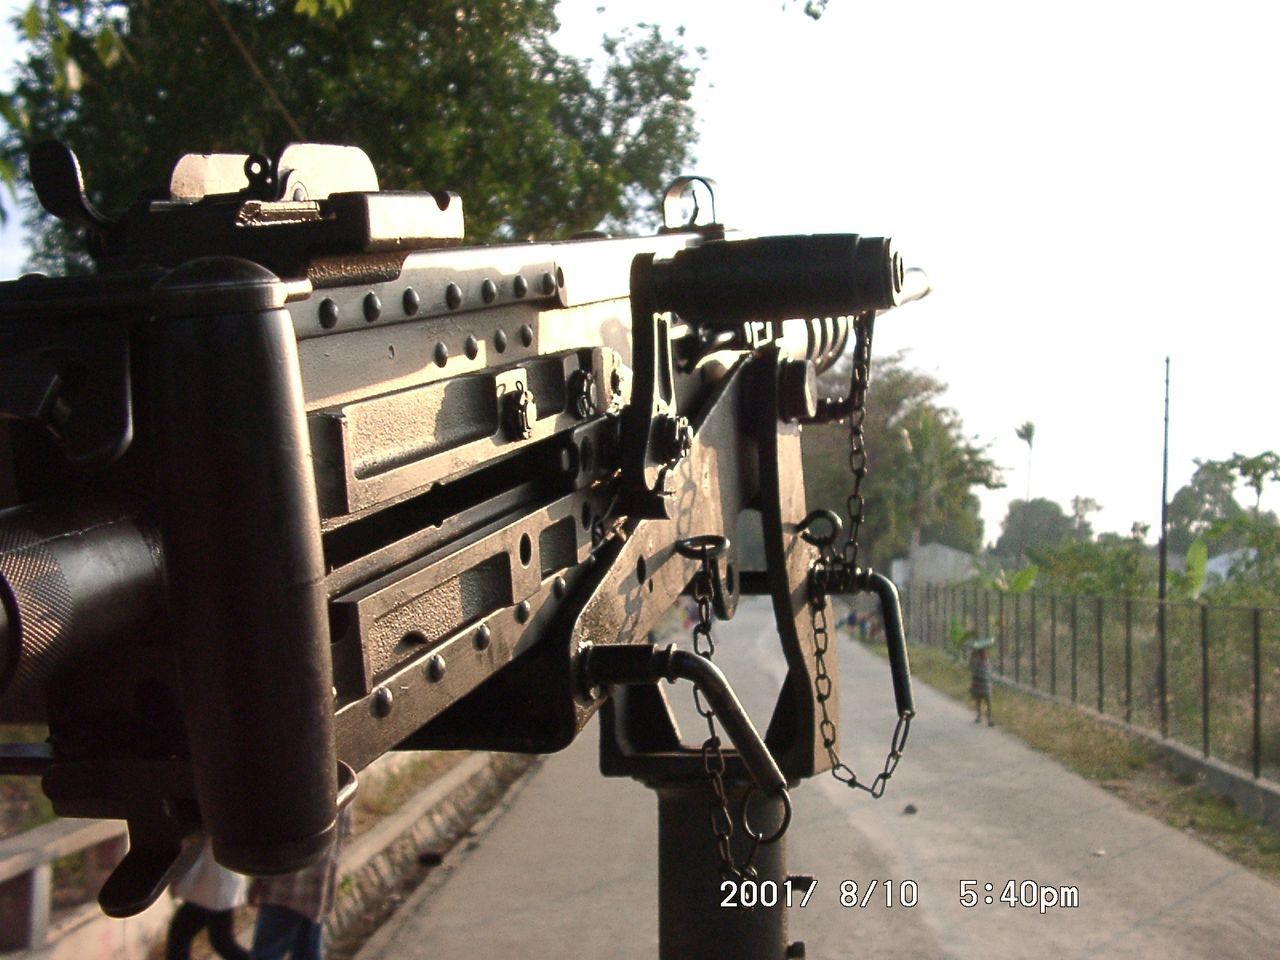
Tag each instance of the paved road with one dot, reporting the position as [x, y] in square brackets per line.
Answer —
[568, 869]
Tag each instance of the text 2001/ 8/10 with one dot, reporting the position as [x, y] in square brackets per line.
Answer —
[767, 893]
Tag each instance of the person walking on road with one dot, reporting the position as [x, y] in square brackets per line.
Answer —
[980, 678]
[292, 908]
[210, 894]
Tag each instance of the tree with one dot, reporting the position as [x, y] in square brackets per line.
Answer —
[1027, 434]
[1205, 503]
[1256, 471]
[1081, 507]
[469, 95]
[1111, 566]
[922, 467]
[1032, 524]
[1254, 577]
[1206, 510]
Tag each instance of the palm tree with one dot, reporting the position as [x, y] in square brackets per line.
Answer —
[1027, 434]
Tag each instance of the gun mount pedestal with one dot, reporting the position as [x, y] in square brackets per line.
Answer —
[692, 922]
[639, 739]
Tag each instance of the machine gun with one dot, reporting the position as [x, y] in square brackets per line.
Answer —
[296, 479]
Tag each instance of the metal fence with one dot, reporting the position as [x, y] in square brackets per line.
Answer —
[1205, 676]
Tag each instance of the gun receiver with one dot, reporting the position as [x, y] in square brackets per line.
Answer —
[296, 480]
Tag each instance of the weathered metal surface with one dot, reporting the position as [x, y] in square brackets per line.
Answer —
[398, 489]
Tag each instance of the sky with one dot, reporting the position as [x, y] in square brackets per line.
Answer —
[1091, 187]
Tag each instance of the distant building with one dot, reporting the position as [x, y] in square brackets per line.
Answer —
[934, 563]
[1218, 568]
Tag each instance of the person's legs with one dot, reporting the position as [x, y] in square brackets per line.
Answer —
[309, 942]
[222, 935]
[187, 921]
[276, 932]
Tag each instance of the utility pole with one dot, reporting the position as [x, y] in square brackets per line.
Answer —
[1164, 565]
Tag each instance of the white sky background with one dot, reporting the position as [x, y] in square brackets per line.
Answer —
[1091, 187]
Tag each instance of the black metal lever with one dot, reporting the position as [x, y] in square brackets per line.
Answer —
[895, 639]
[640, 663]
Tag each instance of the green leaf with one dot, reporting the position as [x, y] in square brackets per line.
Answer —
[1197, 561]
[109, 47]
[314, 8]
[12, 113]
[1024, 579]
[32, 22]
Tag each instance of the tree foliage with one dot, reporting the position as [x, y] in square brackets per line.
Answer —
[1205, 504]
[1207, 507]
[1254, 577]
[1256, 471]
[1032, 524]
[469, 95]
[922, 466]
[1111, 566]
[1081, 507]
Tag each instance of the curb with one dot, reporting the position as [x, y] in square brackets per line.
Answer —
[374, 866]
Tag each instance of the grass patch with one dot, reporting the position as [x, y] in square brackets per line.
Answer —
[1120, 762]
[377, 800]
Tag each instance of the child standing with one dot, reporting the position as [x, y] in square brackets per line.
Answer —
[980, 678]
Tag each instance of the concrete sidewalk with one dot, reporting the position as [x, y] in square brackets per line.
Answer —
[569, 870]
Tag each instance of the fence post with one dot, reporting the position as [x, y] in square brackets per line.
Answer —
[934, 613]
[925, 630]
[946, 616]
[1128, 659]
[1053, 645]
[24, 909]
[940, 614]
[1098, 631]
[1033, 638]
[1162, 675]
[1000, 625]
[1205, 679]
[1257, 693]
[1017, 638]
[1074, 648]
[986, 609]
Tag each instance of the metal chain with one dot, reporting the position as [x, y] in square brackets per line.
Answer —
[859, 379]
[712, 754]
[832, 572]
[713, 761]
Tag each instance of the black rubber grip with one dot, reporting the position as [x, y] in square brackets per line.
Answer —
[779, 278]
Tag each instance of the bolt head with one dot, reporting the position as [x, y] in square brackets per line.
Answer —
[435, 668]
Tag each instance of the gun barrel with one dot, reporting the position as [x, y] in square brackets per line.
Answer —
[72, 576]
